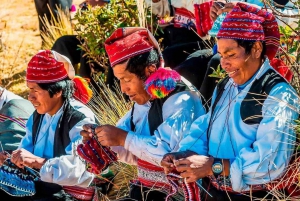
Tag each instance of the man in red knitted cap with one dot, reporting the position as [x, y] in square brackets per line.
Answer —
[54, 127]
[164, 107]
[246, 139]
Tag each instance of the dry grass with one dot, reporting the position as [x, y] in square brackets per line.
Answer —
[56, 28]
[20, 40]
[109, 107]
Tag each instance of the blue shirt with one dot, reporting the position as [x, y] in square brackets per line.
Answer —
[260, 152]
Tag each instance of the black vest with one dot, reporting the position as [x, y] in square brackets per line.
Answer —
[251, 106]
[155, 116]
[69, 118]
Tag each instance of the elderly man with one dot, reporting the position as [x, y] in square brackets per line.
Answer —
[246, 139]
[161, 115]
[54, 128]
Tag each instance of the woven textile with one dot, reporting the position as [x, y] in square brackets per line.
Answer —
[125, 43]
[203, 20]
[153, 177]
[15, 181]
[97, 157]
[250, 23]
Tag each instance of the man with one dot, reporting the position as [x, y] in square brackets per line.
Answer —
[247, 138]
[52, 131]
[154, 126]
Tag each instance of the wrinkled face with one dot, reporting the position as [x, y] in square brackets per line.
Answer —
[234, 60]
[42, 101]
[131, 84]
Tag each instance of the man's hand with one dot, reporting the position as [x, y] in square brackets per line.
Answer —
[3, 157]
[219, 8]
[86, 133]
[22, 158]
[194, 167]
[168, 160]
[107, 135]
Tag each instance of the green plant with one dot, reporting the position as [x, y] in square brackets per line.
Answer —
[290, 53]
[218, 73]
[97, 23]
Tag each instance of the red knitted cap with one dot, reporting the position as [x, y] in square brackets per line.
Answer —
[49, 66]
[128, 42]
[250, 23]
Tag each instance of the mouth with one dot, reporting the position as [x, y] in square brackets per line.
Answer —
[35, 105]
[232, 73]
[132, 96]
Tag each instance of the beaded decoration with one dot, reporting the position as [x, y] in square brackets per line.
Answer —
[97, 157]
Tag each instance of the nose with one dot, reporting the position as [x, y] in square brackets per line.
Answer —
[31, 97]
[124, 88]
[224, 63]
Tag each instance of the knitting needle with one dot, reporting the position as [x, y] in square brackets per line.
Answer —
[203, 188]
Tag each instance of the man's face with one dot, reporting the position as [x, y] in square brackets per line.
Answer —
[234, 60]
[42, 101]
[131, 85]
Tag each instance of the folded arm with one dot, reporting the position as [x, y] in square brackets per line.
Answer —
[275, 139]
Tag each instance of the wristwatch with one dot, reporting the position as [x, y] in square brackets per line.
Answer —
[217, 167]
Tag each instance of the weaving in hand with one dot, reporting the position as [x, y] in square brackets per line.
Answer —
[16, 181]
[191, 190]
[98, 157]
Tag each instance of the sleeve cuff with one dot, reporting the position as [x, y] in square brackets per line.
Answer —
[236, 173]
[128, 140]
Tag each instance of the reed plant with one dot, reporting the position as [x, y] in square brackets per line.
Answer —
[56, 27]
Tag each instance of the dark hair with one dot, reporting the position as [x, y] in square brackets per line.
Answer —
[248, 44]
[138, 64]
[66, 86]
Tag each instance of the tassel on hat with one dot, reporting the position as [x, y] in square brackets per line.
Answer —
[161, 83]
[83, 92]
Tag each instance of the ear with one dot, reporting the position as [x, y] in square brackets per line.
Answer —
[58, 94]
[257, 49]
[150, 69]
